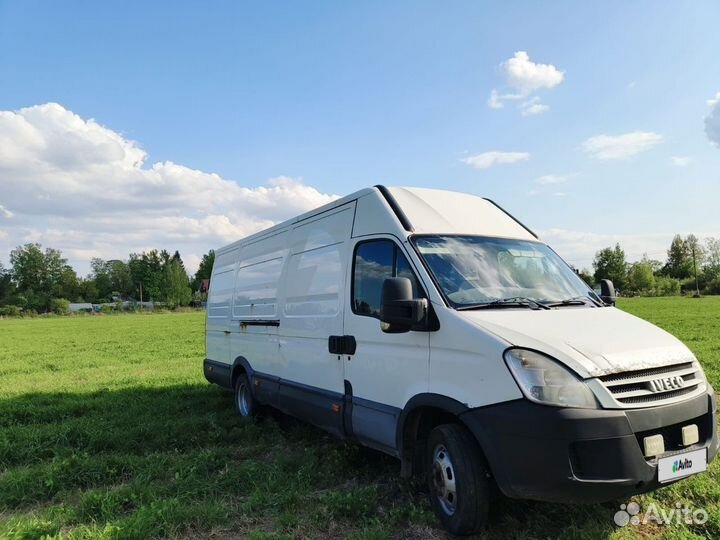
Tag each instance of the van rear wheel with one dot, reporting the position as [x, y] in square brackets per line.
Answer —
[244, 401]
[458, 479]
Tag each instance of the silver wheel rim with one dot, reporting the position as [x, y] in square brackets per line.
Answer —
[243, 400]
[443, 480]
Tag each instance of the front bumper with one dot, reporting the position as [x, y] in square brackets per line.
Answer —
[584, 455]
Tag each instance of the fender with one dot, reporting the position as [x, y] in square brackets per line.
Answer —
[223, 374]
[264, 387]
[243, 363]
[437, 401]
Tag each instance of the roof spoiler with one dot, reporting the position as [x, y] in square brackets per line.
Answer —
[512, 217]
[392, 202]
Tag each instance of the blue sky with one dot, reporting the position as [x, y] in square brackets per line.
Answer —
[333, 96]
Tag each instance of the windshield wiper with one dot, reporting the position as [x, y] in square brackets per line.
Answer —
[575, 301]
[515, 301]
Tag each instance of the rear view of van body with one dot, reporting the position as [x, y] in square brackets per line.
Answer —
[435, 327]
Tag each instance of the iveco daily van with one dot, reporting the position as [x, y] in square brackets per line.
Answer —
[436, 327]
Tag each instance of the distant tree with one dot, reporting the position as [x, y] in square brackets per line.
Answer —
[176, 285]
[100, 275]
[711, 263]
[654, 264]
[7, 287]
[697, 255]
[679, 259]
[68, 285]
[587, 277]
[38, 274]
[138, 274]
[204, 271]
[61, 306]
[112, 276]
[155, 263]
[610, 263]
[694, 246]
[146, 268]
[176, 257]
[169, 264]
[640, 277]
[121, 278]
[88, 291]
[29, 267]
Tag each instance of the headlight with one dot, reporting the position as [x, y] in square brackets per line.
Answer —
[543, 380]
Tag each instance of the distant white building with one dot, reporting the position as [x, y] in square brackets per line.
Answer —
[80, 306]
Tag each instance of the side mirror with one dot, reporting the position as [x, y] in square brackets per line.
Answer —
[607, 291]
[400, 311]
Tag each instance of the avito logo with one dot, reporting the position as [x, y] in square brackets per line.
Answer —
[682, 464]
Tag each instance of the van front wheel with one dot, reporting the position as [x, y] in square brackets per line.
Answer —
[244, 401]
[458, 479]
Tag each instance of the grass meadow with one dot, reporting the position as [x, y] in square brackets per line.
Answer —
[109, 430]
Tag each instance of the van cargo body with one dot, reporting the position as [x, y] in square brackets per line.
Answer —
[434, 326]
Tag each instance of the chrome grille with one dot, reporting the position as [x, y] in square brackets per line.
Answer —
[655, 386]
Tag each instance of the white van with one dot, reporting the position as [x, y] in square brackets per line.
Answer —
[434, 326]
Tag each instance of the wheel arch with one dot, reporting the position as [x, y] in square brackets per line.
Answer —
[240, 365]
[421, 413]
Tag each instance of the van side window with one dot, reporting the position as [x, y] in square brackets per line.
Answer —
[375, 261]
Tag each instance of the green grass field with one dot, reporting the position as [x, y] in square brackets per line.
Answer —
[109, 430]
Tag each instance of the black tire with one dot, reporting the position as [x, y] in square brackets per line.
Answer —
[245, 403]
[454, 461]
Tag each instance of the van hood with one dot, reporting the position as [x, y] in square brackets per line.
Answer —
[590, 341]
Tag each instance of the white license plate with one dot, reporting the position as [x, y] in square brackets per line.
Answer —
[682, 465]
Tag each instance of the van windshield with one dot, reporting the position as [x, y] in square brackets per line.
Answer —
[476, 270]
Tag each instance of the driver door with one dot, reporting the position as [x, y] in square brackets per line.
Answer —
[386, 369]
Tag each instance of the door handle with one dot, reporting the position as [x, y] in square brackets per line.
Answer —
[342, 345]
[350, 344]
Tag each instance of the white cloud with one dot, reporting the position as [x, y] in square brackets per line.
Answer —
[523, 77]
[497, 100]
[620, 146]
[712, 122]
[681, 161]
[489, 159]
[552, 179]
[533, 106]
[192, 261]
[527, 76]
[78, 186]
[532, 110]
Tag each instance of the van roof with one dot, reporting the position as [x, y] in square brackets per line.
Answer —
[424, 211]
[438, 211]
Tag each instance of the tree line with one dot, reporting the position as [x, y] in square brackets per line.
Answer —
[691, 267]
[41, 280]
